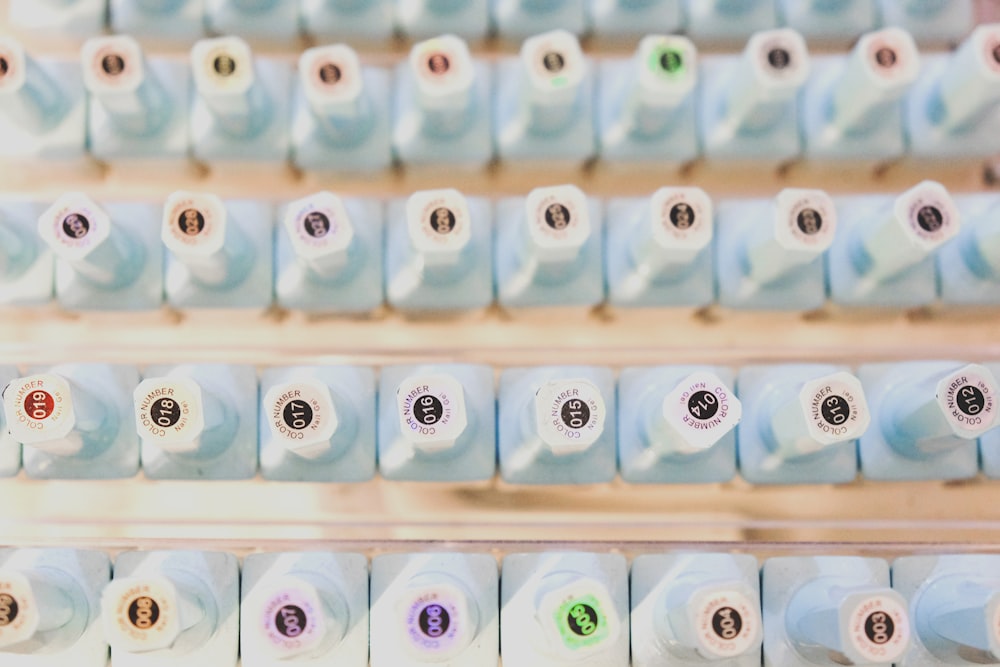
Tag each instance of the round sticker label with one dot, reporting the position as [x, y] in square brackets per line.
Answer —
[970, 400]
[301, 411]
[879, 629]
[168, 411]
[581, 622]
[559, 218]
[290, 620]
[194, 221]
[570, 414]
[144, 612]
[431, 411]
[836, 410]
[703, 403]
[38, 405]
[434, 622]
[727, 624]
[439, 220]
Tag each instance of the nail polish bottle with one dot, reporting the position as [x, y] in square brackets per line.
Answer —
[137, 108]
[437, 423]
[273, 20]
[852, 105]
[441, 110]
[340, 20]
[519, 19]
[831, 610]
[62, 19]
[954, 600]
[169, 20]
[317, 424]
[198, 421]
[646, 104]
[240, 110]
[770, 254]
[564, 608]
[219, 254]
[968, 267]
[929, 415]
[107, 258]
[883, 255]
[340, 113]
[308, 609]
[695, 609]
[423, 19]
[728, 20]
[659, 249]
[434, 608]
[548, 250]
[27, 265]
[801, 425]
[556, 425]
[749, 107]
[829, 20]
[10, 449]
[439, 253]
[544, 107]
[931, 20]
[164, 607]
[329, 255]
[676, 424]
[48, 607]
[634, 18]
[73, 421]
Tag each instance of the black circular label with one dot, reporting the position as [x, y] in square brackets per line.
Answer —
[191, 222]
[434, 620]
[879, 627]
[317, 224]
[76, 225]
[224, 65]
[809, 221]
[727, 623]
[929, 218]
[682, 216]
[885, 57]
[165, 412]
[143, 612]
[671, 61]
[971, 400]
[835, 410]
[438, 63]
[553, 62]
[575, 413]
[442, 220]
[779, 58]
[113, 64]
[428, 409]
[557, 216]
[329, 73]
[703, 404]
[290, 620]
[8, 609]
[4, 66]
[582, 619]
[297, 415]
[996, 54]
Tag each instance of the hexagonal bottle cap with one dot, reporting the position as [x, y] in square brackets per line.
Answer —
[668, 69]
[880, 68]
[695, 415]
[554, 65]
[222, 66]
[74, 226]
[170, 413]
[779, 60]
[302, 416]
[824, 411]
[443, 71]
[802, 227]
[431, 410]
[569, 415]
[144, 614]
[558, 221]
[969, 398]
[439, 225]
[577, 615]
[112, 64]
[41, 412]
[293, 620]
[29, 605]
[437, 616]
[679, 226]
[13, 65]
[194, 224]
[719, 621]
[331, 77]
[320, 230]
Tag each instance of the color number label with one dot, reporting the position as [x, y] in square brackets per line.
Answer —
[8, 609]
[291, 621]
[39, 405]
[143, 612]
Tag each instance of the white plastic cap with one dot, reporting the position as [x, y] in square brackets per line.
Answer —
[439, 225]
[74, 226]
[39, 409]
[292, 620]
[874, 627]
[320, 229]
[835, 410]
[890, 57]
[442, 68]
[720, 621]
[112, 63]
[170, 412]
[437, 617]
[432, 413]
[700, 410]
[553, 61]
[779, 59]
[681, 222]
[558, 222]
[668, 69]
[804, 220]
[302, 416]
[144, 614]
[13, 65]
[223, 65]
[330, 75]
[968, 400]
[194, 224]
[578, 616]
[570, 415]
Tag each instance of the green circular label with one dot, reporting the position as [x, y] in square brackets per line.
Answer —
[668, 61]
[581, 622]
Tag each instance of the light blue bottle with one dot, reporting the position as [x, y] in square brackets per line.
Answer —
[564, 608]
[219, 255]
[437, 423]
[43, 110]
[954, 600]
[340, 113]
[676, 424]
[163, 607]
[107, 258]
[749, 107]
[802, 423]
[931, 20]
[240, 110]
[883, 255]
[770, 254]
[50, 599]
[968, 266]
[430, 608]
[659, 249]
[556, 425]
[852, 105]
[695, 608]
[989, 442]
[828, 610]
[198, 421]
[929, 415]
[27, 265]
[634, 18]
[646, 104]
[74, 421]
[347, 20]
[439, 253]
[422, 19]
[517, 19]
[829, 20]
[174, 20]
[308, 608]
[953, 111]
[728, 20]
[272, 20]
[10, 449]
[329, 255]
[544, 107]
[548, 249]
[138, 108]
[65, 19]
[317, 424]
[441, 109]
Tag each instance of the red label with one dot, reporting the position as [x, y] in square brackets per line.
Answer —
[39, 404]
